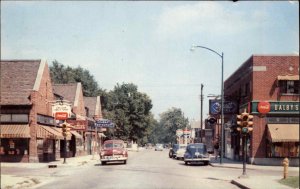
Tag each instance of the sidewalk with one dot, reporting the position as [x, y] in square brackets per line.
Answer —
[11, 181]
[254, 181]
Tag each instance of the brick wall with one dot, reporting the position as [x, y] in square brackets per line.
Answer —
[261, 73]
[40, 105]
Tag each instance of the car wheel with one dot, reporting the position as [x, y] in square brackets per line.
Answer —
[103, 163]
[206, 163]
[185, 162]
[170, 155]
[125, 161]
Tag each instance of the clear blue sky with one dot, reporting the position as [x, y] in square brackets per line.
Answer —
[148, 43]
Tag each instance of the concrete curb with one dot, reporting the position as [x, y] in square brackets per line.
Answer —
[239, 184]
[232, 167]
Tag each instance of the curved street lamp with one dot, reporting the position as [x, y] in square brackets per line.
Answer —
[222, 96]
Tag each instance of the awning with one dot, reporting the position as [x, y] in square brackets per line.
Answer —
[59, 131]
[14, 131]
[283, 132]
[49, 132]
[76, 134]
[288, 77]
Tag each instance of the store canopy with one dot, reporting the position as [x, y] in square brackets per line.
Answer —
[288, 77]
[76, 134]
[283, 132]
[50, 132]
[14, 131]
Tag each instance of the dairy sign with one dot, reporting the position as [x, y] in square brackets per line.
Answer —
[61, 111]
[277, 107]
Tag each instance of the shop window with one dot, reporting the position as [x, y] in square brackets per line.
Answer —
[289, 87]
[283, 149]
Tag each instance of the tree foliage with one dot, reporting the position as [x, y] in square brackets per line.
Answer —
[62, 75]
[130, 111]
[170, 121]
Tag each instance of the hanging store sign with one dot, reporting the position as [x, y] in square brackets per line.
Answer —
[61, 110]
[104, 123]
[215, 108]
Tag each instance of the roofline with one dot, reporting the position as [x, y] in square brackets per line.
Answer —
[19, 60]
[78, 89]
[39, 75]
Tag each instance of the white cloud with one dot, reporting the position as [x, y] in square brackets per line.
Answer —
[206, 17]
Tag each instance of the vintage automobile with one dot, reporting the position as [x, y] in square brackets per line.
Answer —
[196, 153]
[180, 152]
[159, 147]
[113, 151]
[173, 150]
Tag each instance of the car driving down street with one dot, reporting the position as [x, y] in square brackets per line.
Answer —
[113, 151]
[196, 153]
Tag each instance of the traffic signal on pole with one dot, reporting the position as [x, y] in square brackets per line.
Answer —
[244, 122]
[65, 129]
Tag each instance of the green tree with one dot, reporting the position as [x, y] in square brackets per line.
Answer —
[130, 111]
[62, 75]
[170, 121]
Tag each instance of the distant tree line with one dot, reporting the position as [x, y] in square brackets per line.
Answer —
[128, 108]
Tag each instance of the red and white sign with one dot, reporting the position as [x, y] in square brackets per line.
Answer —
[61, 111]
[264, 107]
[61, 115]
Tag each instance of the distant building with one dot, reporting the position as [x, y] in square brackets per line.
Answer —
[267, 86]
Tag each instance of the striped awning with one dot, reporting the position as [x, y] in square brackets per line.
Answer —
[14, 131]
[76, 134]
[283, 132]
[50, 132]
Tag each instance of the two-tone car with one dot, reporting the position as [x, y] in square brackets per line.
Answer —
[113, 151]
[196, 153]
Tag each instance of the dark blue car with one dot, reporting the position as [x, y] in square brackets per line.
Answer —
[196, 153]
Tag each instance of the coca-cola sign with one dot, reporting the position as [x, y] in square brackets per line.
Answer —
[264, 107]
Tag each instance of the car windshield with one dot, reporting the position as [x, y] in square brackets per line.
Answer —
[113, 145]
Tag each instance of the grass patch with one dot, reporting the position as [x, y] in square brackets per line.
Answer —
[290, 181]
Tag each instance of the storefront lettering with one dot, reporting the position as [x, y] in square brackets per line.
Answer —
[286, 107]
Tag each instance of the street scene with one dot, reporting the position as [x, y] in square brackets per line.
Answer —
[149, 94]
[146, 168]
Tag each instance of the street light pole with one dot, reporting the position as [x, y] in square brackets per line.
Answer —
[201, 116]
[222, 97]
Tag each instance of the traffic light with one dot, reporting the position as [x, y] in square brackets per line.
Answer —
[65, 129]
[244, 122]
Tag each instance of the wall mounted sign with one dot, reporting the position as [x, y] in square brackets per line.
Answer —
[263, 107]
[278, 107]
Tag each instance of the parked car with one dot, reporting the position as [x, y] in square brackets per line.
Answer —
[196, 153]
[159, 147]
[180, 152]
[113, 151]
[173, 150]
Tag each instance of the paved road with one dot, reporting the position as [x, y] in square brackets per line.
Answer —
[145, 169]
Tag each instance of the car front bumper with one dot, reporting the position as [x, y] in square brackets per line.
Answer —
[113, 158]
[196, 159]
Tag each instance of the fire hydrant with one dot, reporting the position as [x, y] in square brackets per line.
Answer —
[285, 164]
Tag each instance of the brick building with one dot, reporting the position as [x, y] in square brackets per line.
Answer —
[28, 132]
[267, 86]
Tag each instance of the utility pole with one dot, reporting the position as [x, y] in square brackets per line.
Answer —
[201, 113]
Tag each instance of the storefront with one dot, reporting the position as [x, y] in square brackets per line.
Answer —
[14, 142]
[281, 122]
